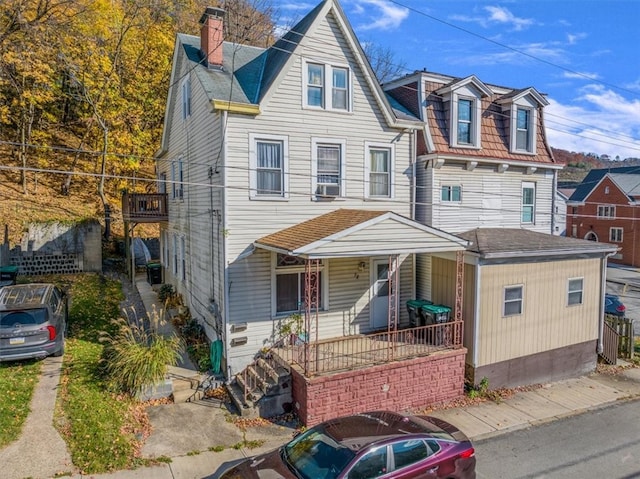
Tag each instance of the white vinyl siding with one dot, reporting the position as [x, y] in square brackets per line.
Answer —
[488, 199]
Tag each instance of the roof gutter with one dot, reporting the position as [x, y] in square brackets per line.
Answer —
[234, 107]
[546, 253]
[491, 161]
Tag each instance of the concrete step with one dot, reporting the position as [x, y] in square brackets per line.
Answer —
[187, 395]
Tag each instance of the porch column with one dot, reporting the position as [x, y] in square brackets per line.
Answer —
[392, 319]
[311, 308]
[457, 312]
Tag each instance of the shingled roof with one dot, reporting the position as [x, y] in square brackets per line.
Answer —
[513, 242]
[627, 178]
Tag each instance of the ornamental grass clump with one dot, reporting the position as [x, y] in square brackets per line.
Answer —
[137, 355]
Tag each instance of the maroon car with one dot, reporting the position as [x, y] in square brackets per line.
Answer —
[368, 445]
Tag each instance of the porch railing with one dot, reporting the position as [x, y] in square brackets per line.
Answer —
[357, 351]
[145, 207]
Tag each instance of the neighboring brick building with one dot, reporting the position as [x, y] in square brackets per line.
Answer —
[605, 208]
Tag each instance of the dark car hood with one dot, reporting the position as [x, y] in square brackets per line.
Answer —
[264, 466]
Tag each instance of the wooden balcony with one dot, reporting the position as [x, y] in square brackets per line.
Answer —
[145, 207]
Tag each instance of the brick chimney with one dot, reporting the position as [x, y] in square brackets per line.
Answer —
[212, 36]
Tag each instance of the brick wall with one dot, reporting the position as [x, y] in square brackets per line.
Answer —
[582, 220]
[399, 386]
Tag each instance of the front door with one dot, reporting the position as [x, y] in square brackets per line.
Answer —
[380, 296]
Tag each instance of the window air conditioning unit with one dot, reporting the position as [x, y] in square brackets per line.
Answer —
[328, 191]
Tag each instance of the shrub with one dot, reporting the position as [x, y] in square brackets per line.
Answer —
[137, 355]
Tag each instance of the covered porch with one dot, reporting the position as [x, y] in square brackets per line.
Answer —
[411, 364]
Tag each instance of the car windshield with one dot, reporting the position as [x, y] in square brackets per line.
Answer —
[315, 454]
[27, 317]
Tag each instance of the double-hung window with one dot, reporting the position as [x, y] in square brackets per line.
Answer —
[177, 178]
[513, 298]
[379, 171]
[327, 87]
[451, 193]
[162, 183]
[290, 284]
[615, 235]
[606, 211]
[528, 202]
[465, 121]
[523, 129]
[328, 167]
[175, 254]
[575, 288]
[186, 98]
[183, 259]
[268, 158]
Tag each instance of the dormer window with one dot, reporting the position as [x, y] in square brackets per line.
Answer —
[327, 87]
[523, 129]
[521, 108]
[463, 107]
[465, 122]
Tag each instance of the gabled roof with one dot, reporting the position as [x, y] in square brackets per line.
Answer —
[250, 73]
[516, 95]
[459, 83]
[626, 178]
[520, 243]
[357, 233]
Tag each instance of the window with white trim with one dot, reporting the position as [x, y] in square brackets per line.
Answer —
[465, 125]
[175, 254]
[378, 171]
[513, 299]
[451, 193]
[162, 183]
[177, 179]
[575, 287]
[523, 129]
[606, 211]
[615, 235]
[183, 259]
[327, 86]
[528, 202]
[268, 163]
[328, 167]
[290, 284]
[185, 89]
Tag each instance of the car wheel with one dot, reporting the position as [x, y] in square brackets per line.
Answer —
[60, 352]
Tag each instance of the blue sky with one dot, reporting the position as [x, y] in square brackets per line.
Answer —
[583, 54]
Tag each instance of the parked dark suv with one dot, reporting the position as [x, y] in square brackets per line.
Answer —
[33, 321]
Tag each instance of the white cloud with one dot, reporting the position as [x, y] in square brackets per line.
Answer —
[497, 16]
[573, 38]
[503, 16]
[520, 55]
[381, 14]
[581, 75]
[598, 121]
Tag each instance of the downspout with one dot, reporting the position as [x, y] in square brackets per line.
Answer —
[603, 289]
[553, 201]
[223, 256]
[413, 160]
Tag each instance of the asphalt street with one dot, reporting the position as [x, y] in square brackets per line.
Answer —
[603, 443]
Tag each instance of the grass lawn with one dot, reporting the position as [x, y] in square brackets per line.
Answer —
[17, 382]
[102, 430]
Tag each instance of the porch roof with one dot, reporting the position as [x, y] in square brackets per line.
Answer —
[351, 233]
